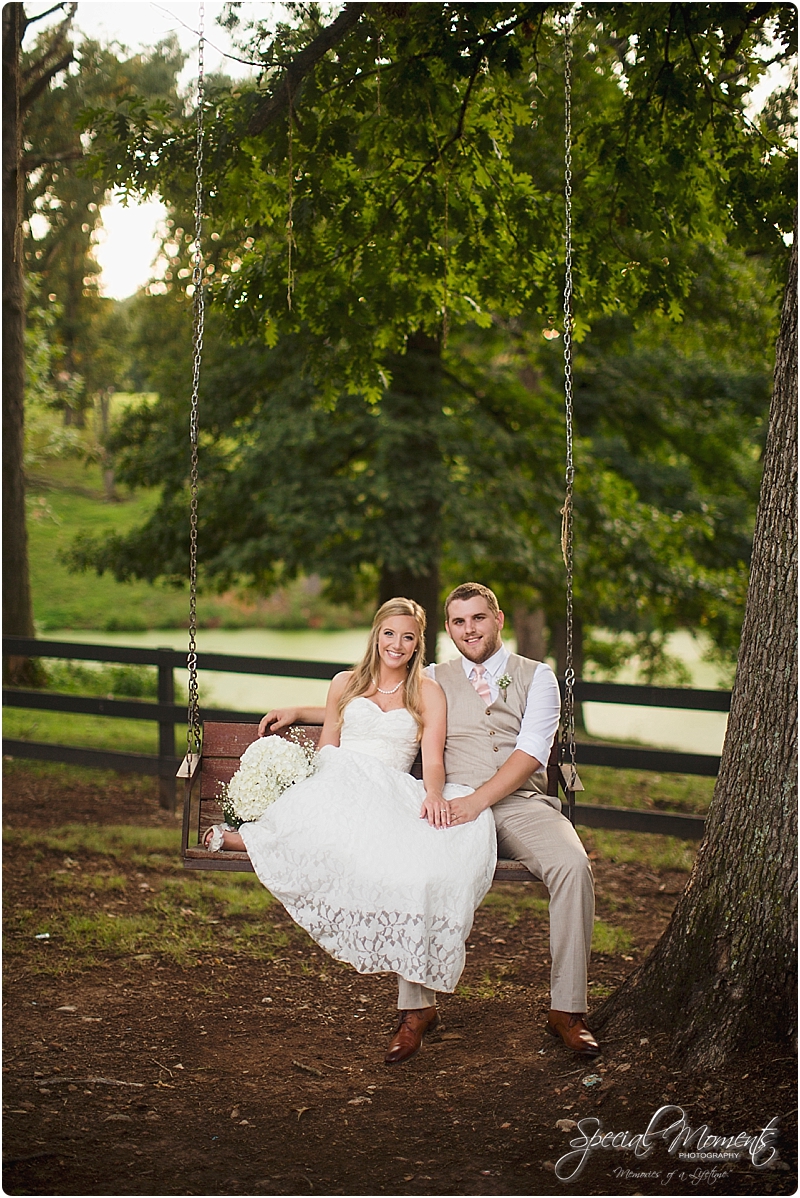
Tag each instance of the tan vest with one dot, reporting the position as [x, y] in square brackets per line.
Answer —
[481, 738]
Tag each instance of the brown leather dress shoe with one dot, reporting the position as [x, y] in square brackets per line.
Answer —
[570, 1027]
[407, 1039]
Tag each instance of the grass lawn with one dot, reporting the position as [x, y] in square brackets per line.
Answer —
[683, 793]
[90, 883]
[69, 501]
[87, 731]
[119, 890]
[65, 498]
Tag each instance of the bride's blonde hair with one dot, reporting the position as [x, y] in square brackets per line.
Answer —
[368, 671]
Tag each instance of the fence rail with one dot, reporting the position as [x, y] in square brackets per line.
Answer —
[167, 713]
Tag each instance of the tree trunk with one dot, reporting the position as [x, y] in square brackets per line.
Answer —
[410, 460]
[109, 474]
[17, 606]
[530, 632]
[424, 588]
[724, 973]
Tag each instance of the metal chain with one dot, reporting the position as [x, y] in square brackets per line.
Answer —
[568, 728]
[193, 731]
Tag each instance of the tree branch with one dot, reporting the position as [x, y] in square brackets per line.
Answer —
[44, 69]
[291, 81]
[756, 13]
[36, 89]
[57, 42]
[31, 162]
[40, 16]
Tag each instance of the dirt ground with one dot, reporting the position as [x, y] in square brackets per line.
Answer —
[137, 1076]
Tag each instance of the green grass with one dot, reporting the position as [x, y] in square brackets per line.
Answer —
[183, 920]
[511, 906]
[685, 793]
[654, 852]
[606, 938]
[239, 895]
[89, 883]
[110, 681]
[487, 988]
[68, 501]
[68, 775]
[117, 841]
[599, 990]
[87, 731]
[65, 499]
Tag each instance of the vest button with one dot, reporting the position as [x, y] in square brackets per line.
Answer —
[491, 731]
[496, 749]
[488, 711]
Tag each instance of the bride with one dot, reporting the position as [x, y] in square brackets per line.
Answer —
[362, 854]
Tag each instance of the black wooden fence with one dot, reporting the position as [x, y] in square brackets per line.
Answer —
[167, 713]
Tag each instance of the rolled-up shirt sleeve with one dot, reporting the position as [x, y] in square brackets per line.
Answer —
[540, 721]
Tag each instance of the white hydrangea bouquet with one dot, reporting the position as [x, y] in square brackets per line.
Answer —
[268, 767]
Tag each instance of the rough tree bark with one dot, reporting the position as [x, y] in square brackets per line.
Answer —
[424, 588]
[724, 973]
[529, 631]
[411, 461]
[17, 607]
[18, 94]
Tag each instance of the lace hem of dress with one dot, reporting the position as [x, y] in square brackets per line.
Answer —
[428, 951]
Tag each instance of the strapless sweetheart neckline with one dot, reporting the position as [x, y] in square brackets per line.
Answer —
[391, 710]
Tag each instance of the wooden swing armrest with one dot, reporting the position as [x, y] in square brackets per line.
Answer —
[189, 766]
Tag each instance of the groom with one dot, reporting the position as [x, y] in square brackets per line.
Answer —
[502, 715]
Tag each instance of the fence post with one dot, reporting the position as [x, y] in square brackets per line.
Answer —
[166, 733]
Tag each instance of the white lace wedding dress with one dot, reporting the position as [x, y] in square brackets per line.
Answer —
[347, 854]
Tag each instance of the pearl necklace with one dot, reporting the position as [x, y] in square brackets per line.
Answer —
[392, 691]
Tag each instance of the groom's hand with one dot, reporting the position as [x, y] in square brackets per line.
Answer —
[464, 811]
[277, 720]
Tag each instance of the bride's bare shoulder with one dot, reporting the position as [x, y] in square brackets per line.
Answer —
[431, 693]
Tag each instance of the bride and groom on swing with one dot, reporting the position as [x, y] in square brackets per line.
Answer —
[385, 871]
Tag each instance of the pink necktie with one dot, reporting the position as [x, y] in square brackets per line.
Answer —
[478, 680]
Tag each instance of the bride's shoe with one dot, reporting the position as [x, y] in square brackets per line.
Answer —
[215, 836]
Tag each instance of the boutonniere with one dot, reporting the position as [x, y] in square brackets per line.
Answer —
[504, 682]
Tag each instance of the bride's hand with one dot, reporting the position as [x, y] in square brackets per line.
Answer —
[277, 720]
[436, 811]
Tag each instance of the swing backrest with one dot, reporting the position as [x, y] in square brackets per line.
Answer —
[223, 745]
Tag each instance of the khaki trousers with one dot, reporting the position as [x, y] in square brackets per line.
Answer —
[530, 830]
[411, 996]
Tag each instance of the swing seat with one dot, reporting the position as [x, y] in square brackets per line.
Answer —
[206, 774]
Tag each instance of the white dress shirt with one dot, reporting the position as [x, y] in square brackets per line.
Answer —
[542, 709]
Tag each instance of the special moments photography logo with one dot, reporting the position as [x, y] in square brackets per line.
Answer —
[669, 1126]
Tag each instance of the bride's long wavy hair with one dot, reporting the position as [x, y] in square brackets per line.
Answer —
[368, 671]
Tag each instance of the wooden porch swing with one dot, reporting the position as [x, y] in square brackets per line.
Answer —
[214, 748]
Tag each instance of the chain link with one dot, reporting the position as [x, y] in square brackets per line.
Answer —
[568, 727]
[193, 730]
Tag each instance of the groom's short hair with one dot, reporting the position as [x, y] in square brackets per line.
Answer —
[472, 590]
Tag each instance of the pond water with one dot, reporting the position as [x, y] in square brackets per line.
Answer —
[687, 731]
